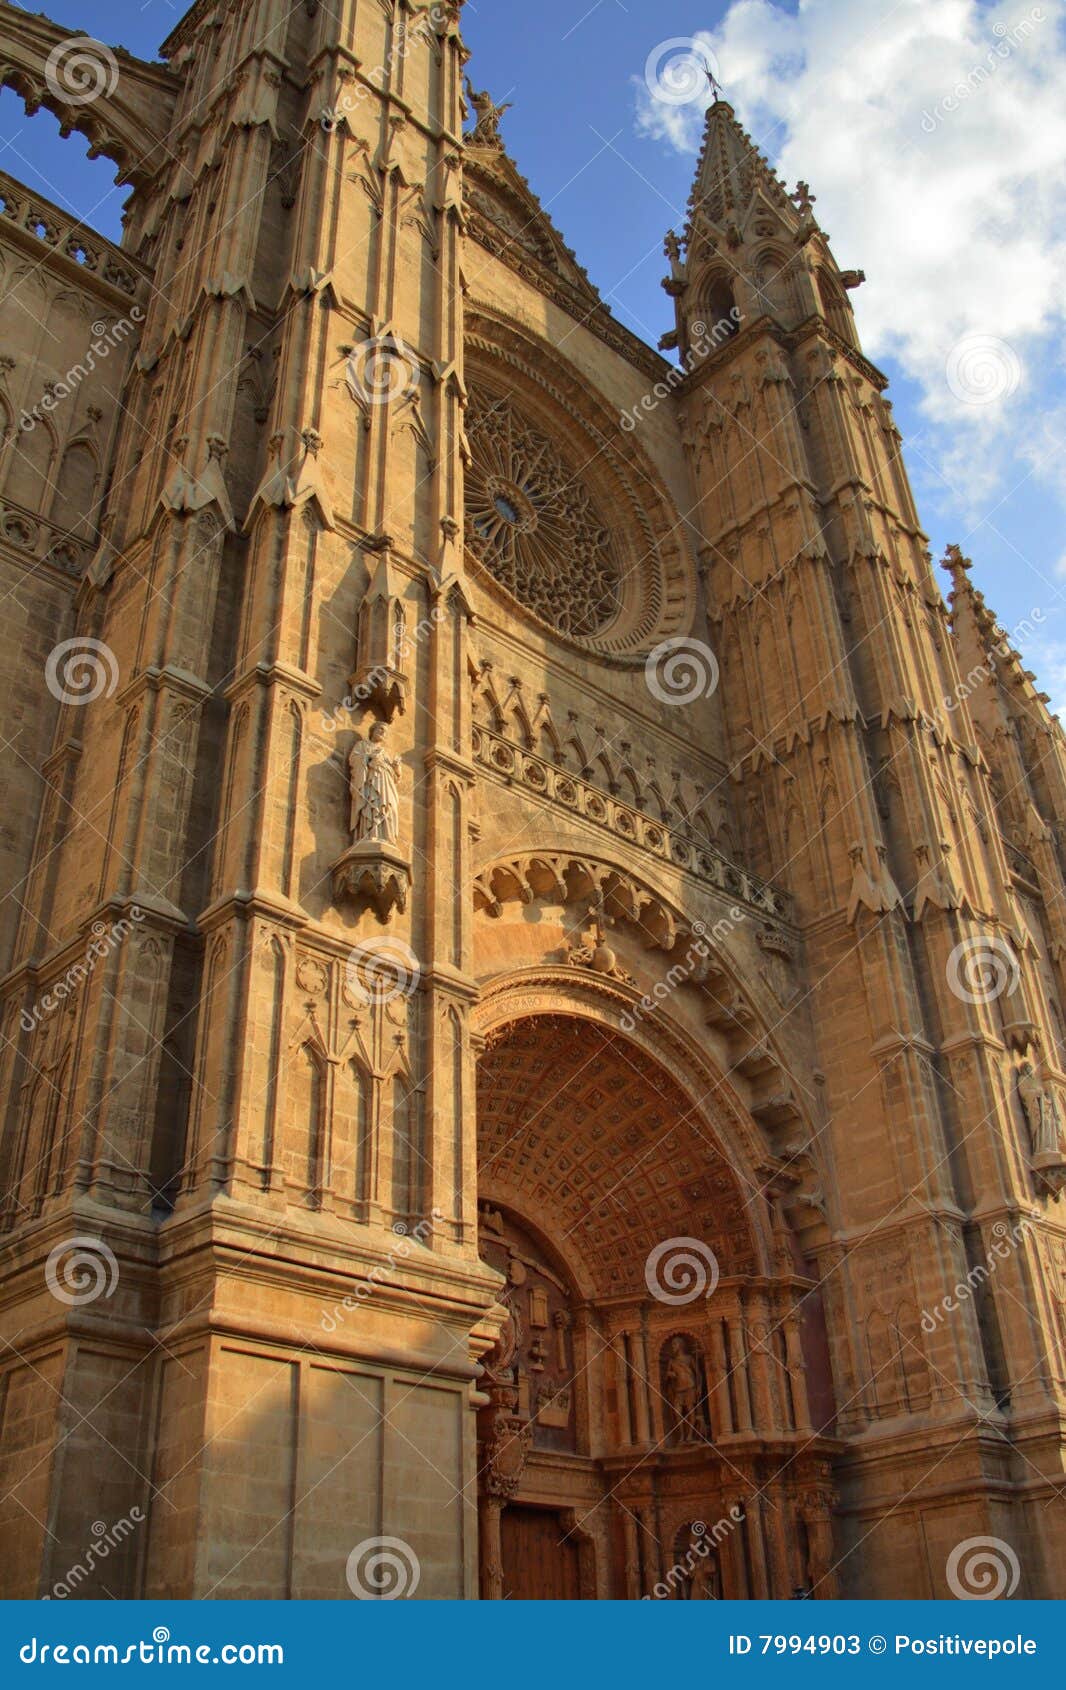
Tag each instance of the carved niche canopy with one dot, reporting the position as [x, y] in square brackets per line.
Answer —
[532, 521]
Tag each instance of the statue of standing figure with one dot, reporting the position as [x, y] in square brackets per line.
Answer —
[682, 1388]
[1041, 1114]
[374, 784]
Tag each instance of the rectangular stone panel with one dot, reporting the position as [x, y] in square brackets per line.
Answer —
[424, 1483]
[338, 1488]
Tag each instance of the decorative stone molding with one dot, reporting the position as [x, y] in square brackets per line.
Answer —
[511, 764]
[43, 542]
[65, 235]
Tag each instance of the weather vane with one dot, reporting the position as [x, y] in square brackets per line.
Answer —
[716, 86]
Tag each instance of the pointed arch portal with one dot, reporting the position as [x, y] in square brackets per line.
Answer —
[646, 1429]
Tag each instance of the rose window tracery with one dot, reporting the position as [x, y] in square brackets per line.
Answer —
[531, 520]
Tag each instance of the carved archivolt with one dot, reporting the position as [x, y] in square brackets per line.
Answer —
[695, 959]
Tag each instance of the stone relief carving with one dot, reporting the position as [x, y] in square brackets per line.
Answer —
[592, 951]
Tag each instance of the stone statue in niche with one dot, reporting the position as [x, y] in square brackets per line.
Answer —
[373, 870]
[683, 1390]
[374, 783]
[1044, 1121]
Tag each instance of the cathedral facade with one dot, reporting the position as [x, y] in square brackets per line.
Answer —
[534, 940]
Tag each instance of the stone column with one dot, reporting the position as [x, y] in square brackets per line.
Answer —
[762, 1400]
[718, 1382]
[738, 1355]
[490, 1548]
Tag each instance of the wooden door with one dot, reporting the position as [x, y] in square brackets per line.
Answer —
[541, 1561]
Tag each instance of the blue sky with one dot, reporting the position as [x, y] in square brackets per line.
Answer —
[933, 134]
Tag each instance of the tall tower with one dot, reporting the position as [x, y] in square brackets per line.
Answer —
[250, 1122]
[893, 796]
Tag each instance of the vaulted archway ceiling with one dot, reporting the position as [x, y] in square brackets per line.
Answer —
[578, 1127]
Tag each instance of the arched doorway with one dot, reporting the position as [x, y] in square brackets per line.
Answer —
[645, 1428]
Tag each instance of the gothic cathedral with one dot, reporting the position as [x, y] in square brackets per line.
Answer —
[534, 940]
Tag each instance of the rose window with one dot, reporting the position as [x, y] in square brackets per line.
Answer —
[531, 521]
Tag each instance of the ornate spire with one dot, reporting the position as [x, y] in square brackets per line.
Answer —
[731, 170]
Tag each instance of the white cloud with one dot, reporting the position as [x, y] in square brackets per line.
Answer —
[933, 133]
